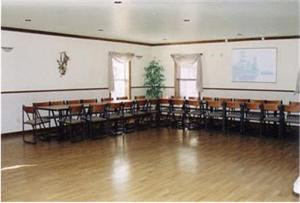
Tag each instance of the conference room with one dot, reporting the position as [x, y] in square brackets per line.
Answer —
[150, 100]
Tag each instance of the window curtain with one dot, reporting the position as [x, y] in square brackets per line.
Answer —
[189, 59]
[120, 57]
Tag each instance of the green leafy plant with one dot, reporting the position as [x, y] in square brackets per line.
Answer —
[154, 79]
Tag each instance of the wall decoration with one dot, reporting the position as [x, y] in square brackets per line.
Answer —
[63, 63]
[254, 65]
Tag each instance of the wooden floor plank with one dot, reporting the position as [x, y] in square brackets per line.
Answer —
[152, 165]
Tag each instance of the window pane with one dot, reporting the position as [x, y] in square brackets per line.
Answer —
[119, 70]
[120, 89]
[188, 71]
[187, 88]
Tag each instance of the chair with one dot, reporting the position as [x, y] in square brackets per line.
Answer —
[122, 98]
[34, 120]
[234, 111]
[41, 104]
[291, 115]
[115, 118]
[164, 112]
[194, 113]
[107, 99]
[153, 108]
[214, 111]
[96, 119]
[143, 116]
[272, 113]
[74, 122]
[77, 101]
[253, 112]
[177, 112]
[139, 97]
[88, 101]
[56, 117]
[129, 116]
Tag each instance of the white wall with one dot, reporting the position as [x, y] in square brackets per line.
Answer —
[217, 68]
[31, 65]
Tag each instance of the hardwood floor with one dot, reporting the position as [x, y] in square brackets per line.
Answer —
[152, 165]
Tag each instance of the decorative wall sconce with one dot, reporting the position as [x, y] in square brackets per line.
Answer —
[63, 63]
[7, 49]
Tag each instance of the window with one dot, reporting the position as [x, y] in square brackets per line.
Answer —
[121, 78]
[187, 80]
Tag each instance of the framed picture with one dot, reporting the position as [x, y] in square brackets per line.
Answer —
[254, 65]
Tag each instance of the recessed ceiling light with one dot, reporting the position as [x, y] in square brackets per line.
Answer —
[164, 39]
[239, 34]
[27, 20]
[186, 20]
[100, 30]
[117, 2]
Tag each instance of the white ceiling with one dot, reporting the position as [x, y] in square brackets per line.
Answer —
[156, 21]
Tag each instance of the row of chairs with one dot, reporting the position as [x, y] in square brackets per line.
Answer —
[243, 111]
[120, 117]
[79, 119]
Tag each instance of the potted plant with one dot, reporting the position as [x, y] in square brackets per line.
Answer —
[154, 79]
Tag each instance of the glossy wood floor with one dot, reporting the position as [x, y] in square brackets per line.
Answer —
[152, 165]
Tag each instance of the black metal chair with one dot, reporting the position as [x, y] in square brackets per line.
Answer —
[194, 113]
[74, 123]
[253, 112]
[234, 112]
[177, 113]
[97, 120]
[115, 118]
[272, 114]
[164, 115]
[31, 117]
[129, 116]
[143, 116]
[214, 111]
[291, 115]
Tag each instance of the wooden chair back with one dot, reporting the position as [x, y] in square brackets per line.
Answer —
[77, 101]
[221, 99]
[139, 97]
[277, 102]
[107, 99]
[233, 104]
[193, 98]
[55, 103]
[292, 108]
[208, 98]
[214, 104]
[39, 104]
[253, 106]
[242, 100]
[294, 103]
[97, 108]
[194, 103]
[178, 102]
[122, 98]
[257, 101]
[270, 107]
[164, 101]
[88, 101]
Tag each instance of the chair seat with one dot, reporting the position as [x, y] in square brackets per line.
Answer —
[195, 113]
[96, 119]
[292, 119]
[178, 112]
[233, 114]
[37, 121]
[253, 116]
[272, 118]
[128, 115]
[73, 121]
[114, 116]
[214, 113]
